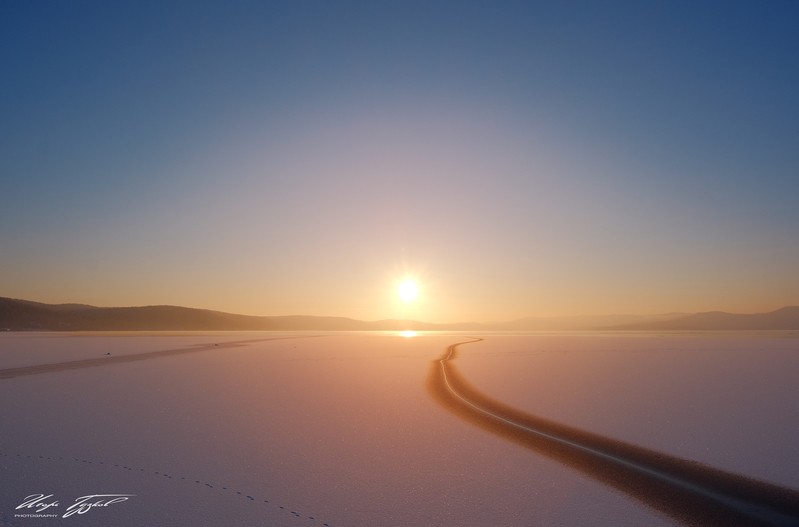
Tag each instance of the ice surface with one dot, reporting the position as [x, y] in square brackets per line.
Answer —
[340, 429]
[724, 399]
[27, 349]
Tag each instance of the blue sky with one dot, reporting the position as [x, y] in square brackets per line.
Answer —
[517, 158]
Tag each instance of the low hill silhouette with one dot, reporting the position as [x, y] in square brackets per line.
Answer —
[25, 315]
[781, 319]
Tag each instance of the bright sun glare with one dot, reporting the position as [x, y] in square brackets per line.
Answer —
[408, 290]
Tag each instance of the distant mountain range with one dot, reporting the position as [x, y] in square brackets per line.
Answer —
[785, 318]
[24, 315]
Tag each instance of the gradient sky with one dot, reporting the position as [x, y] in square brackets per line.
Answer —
[517, 158]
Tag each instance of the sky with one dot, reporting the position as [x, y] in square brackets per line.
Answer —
[514, 158]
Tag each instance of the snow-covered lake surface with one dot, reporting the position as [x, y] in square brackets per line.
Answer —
[339, 429]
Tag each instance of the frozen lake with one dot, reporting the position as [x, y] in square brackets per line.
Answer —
[339, 429]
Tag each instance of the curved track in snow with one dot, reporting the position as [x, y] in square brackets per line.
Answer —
[108, 360]
[684, 490]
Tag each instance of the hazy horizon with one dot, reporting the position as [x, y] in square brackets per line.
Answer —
[513, 159]
[484, 321]
[586, 316]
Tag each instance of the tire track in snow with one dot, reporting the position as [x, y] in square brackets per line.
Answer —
[9, 373]
[684, 490]
[109, 360]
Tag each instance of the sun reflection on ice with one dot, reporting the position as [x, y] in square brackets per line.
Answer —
[408, 333]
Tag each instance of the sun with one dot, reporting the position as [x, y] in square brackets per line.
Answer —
[408, 290]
